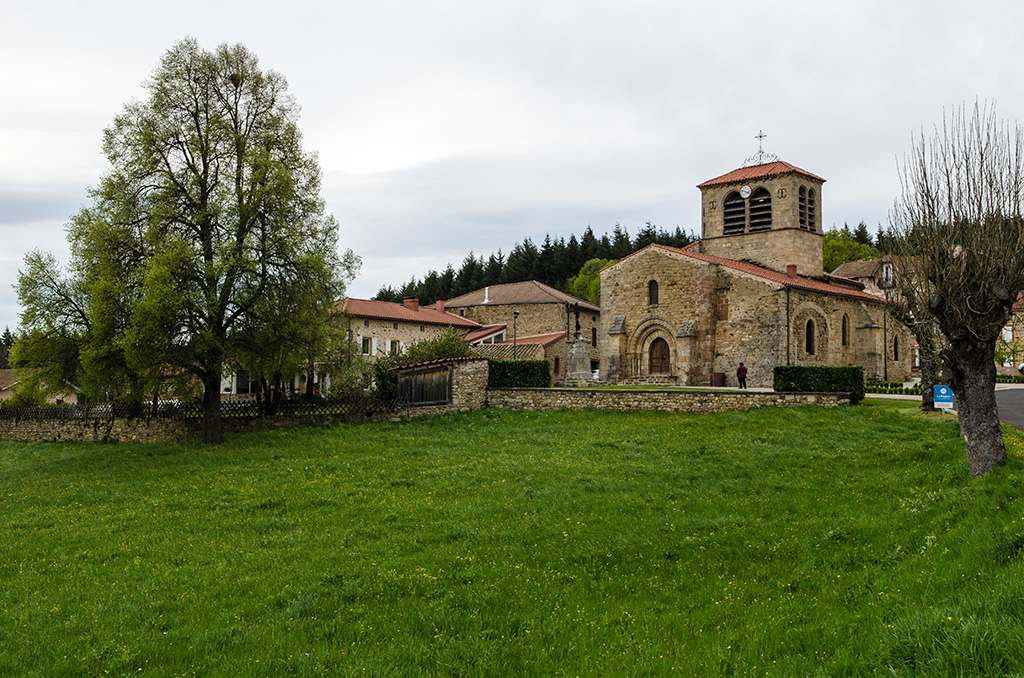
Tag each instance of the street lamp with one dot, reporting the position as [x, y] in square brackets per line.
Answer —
[515, 316]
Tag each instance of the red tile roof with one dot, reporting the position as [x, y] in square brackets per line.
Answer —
[538, 339]
[505, 351]
[769, 275]
[529, 292]
[386, 310]
[758, 172]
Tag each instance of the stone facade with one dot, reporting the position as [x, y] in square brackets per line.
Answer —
[712, 314]
[752, 291]
[380, 328]
[768, 214]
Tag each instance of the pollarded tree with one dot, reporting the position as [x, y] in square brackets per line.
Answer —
[959, 234]
[211, 168]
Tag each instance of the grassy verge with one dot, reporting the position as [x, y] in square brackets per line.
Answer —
[771, 542]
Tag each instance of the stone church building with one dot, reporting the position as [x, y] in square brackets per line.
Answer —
[751, 290]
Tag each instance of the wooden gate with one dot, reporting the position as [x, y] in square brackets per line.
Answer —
[430, 385]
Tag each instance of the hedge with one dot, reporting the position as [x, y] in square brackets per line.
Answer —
[849, 379]
[519, 373]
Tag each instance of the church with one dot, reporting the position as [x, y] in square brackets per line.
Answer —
[751, 290]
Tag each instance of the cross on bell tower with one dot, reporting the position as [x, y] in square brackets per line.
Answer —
[760, 158]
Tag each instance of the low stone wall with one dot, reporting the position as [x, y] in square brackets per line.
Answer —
[141, 430]
[673, 400]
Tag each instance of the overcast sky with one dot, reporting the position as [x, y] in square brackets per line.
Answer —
[452, 126]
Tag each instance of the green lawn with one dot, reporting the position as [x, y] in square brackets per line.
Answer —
[771, 542]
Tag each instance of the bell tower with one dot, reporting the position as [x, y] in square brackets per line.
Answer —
[767, 213]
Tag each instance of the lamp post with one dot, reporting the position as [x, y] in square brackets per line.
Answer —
[515, 316]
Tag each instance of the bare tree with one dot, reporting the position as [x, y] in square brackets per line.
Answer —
[959, 236]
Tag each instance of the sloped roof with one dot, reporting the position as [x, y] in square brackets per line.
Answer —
[386, 310]
[857, 269]
[770, 169]
[529, 292]
[505, 351]
[765, 274]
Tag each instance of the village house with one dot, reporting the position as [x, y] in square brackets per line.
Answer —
[382, 327]
[530, 309]
[752, 290]
[551, 347]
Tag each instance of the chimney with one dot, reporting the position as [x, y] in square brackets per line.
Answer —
[487, 293]
[791, 270]
[411, 303]
[439, 305]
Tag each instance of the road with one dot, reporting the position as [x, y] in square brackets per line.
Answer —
[1010, 399]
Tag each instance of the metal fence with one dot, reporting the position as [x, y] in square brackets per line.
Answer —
[172, 409]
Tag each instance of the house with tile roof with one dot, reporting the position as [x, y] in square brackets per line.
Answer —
[530, 309]
[383, 327]
[752, 290]
[551, 347]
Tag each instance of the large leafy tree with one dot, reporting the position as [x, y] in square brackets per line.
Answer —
[208, 242]
[958, 232]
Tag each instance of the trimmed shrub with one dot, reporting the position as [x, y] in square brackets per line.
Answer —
[849, 379]
[519, 373]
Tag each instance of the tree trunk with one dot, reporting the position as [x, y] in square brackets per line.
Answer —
[926, 352]
[213, 433]
[973, 379]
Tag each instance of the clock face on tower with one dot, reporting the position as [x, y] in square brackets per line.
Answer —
[745, 192]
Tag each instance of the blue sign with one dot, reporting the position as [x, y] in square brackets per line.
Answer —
[943, 396]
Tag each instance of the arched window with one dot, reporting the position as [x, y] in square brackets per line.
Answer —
[896, 349]
[735, 211]
[557, 361]
[809, 338]
[846, 330]
[652, 292]
[803, 207]
[812, 223]
[593, 336]
[760, 210]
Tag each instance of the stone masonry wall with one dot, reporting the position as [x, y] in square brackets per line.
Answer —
[667, 400]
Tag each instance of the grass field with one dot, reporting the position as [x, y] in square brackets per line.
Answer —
[841, 542]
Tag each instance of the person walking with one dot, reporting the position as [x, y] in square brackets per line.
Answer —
[741, 375]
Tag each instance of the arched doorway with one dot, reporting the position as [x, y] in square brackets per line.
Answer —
[659, 356]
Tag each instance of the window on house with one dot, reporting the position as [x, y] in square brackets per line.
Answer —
[896, 349]
[367, 345]
[557, 364]
[394, 326]
[888, 275]
[809, 338]
[396, 346]
[734, 210]
[366, 323]
[421, 328]
[760, 210]
[652, 292]
[846, 330]
[593, 336]
[1008, 333]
